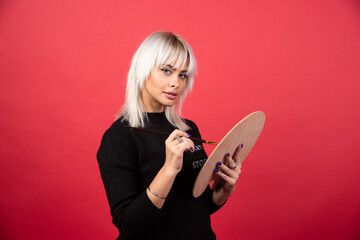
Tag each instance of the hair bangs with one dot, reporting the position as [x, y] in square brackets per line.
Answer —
[175, 55]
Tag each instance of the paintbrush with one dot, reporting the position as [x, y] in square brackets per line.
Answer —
[167, 134]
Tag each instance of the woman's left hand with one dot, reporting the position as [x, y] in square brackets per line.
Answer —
[229, 172]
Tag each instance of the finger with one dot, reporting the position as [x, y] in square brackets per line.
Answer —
[179, 136]
[176, 144]
[190, 142]
[172, 135]
[234, 166]
[229, 161]
[177, 132]
[237, 154]
[180, 140]
[185, 146]
[226, 178]
[171, 143]
[225, 169]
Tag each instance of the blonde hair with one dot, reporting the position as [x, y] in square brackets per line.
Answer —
[160, 48]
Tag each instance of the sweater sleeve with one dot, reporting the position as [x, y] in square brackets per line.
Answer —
[212, 206]
[130, 207]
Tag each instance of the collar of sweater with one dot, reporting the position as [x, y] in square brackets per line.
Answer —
[156, 116]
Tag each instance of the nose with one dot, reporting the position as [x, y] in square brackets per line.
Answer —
[174, 82]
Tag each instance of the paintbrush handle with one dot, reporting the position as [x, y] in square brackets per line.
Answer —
[203, 141]
[167, 134]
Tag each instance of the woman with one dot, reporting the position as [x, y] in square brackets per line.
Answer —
[149, 177]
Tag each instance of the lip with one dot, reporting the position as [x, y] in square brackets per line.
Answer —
[171, 95]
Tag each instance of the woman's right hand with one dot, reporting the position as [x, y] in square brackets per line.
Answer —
[175, 150]
[163, 181]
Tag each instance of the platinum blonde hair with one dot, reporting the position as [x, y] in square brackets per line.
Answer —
[160, 48]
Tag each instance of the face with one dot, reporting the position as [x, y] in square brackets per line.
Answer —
[163, 87]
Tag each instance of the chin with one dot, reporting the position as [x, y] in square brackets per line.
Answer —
[169, 103]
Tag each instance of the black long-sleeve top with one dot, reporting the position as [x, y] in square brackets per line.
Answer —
[129, 160]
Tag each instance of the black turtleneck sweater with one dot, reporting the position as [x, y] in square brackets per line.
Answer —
[129, 160]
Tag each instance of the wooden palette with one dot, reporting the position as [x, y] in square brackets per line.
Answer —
[244, 132]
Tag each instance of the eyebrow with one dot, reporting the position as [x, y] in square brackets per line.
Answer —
[168, 65]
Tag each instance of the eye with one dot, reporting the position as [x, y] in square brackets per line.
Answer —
[166, 71]
[183, 76]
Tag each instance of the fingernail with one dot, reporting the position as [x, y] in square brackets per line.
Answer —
[215, 170]
[228, 154]
[219, 163]
[189, 135]
[242, 145]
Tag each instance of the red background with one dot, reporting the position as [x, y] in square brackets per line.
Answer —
[63, 66]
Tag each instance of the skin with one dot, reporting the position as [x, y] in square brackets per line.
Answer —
[164, 87]
[163, 80]
[229, 172]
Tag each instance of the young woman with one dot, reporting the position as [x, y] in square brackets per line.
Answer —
[149, 177]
